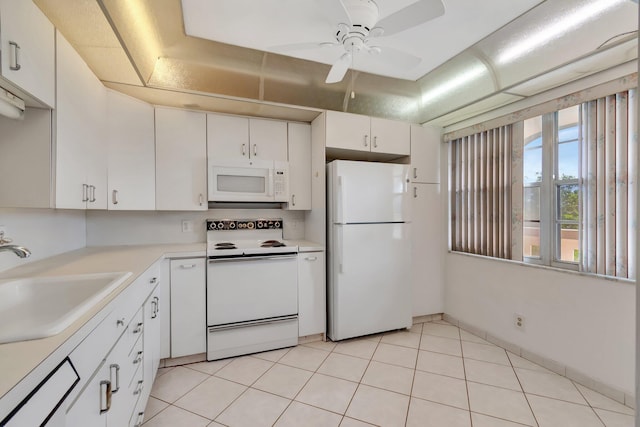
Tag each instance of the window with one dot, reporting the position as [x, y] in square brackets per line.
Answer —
[551, 164]
[556, 189]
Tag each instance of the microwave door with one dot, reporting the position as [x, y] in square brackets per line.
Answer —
[238, 184]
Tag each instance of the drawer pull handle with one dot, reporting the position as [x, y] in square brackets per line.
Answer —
[138, 358]
[366, 140]
[138, 328]
[117, 368]
[375, 142]
[120, 322]
[153, 280]
[107, 396]
[139, 419]
[138, 389]
[114, 197]
[187, 266]
[311, 258]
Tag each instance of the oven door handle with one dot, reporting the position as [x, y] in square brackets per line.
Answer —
[251, 258]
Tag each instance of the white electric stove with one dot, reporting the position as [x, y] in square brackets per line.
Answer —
[252, 288]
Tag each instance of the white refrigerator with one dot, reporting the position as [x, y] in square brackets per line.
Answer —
[369, 267]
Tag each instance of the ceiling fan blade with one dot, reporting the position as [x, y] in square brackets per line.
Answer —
[339, 69]
[411, 16]
[334, 11]
[397, 57]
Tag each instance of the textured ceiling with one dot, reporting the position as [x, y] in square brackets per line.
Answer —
[141, 48]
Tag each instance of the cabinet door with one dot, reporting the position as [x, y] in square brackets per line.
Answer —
[27, 33]
[348, 131]
[426, 249]
[80, 138]
[425, 154]
[227, 137]
[390, 136]
[154, 310]
[188, 307]
[131, 159]
[90, 408]
[97, 148]
[181, 160]
[311, 293]
[268, 139]
[299, 145]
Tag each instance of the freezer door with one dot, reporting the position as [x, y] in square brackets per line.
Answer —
[369, 192]
[370, 280]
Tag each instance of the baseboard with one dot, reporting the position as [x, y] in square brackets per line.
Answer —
[552, 365]
[311, 338]
[185, 360]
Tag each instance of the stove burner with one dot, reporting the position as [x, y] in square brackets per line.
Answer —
[272, 244]
[222, 248]
[225, 244]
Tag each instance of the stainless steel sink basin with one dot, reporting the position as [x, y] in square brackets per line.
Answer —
[39, 307]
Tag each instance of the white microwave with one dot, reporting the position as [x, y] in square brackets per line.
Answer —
[248, 181]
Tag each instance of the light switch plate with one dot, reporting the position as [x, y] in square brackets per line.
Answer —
[187, 226]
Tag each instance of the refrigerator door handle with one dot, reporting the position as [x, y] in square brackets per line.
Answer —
[340, 251]
[340, 200]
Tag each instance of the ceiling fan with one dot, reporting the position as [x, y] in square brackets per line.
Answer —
[363, 27]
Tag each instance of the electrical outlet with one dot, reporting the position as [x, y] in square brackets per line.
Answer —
[187, 226]
[518, 320]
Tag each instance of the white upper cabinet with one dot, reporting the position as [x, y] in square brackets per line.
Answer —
[27, 49]
[425, 154]
[299, 166]
[80, 141]
[268, 139]
[131, 159]
[227, 137]
[181, 160]
[362, 133]
[348, 131]
[232, 138]
[389, 136]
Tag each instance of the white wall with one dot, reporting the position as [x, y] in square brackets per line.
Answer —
[583, 322]
[107, 228]
[45, 232]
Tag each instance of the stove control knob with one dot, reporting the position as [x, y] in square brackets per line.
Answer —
[220, 225]
[276, 224]
[212, 226]
[260, 224]
[232, 225]
[250, 225]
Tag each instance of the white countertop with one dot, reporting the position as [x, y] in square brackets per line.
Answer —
[19, 359]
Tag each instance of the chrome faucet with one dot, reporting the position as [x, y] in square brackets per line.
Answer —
[21, 251]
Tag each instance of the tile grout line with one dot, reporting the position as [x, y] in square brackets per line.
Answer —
[589, 404]
[466, 382]
[523, 392]
[413, 379]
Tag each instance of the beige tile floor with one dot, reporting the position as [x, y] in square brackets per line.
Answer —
[432, 375]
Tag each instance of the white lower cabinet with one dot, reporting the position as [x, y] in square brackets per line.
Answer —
[427, 282]
[311, 293]
[188, 307]
[119, 381]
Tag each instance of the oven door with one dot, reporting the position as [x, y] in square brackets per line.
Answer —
[242, 181]
[247, 288]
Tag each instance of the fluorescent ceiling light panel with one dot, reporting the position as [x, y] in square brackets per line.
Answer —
[450, 85]
[555, 29]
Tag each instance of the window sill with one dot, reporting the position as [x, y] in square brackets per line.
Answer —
[546, 267]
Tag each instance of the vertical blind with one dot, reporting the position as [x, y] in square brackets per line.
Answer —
[480, 189]
[608, 169]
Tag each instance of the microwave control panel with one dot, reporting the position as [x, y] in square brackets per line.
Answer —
[280, 183]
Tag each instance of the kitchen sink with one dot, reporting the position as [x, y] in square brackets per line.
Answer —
[39, 307]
